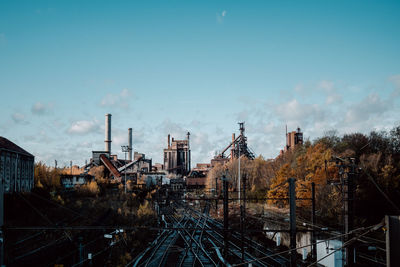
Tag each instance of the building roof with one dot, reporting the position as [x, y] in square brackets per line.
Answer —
[8, 145]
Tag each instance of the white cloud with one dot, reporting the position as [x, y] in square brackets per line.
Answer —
[296, 112]
[83, 127]
[19, 118]
[40, 109]
[370, 106]
[395, 79]
[221, 16]
[333, 99]
[117, 100]
[327, 86]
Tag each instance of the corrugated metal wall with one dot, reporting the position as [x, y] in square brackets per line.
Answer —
[17, 170]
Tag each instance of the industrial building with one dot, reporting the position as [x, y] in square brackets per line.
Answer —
[133, 169]
[70, 181]
[177, 156]
[293, 138]
[238, 148]
[116, 168]
[16, 167]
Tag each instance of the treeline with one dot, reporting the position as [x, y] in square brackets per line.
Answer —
[377, 190]
[46, 177]
[49, 179]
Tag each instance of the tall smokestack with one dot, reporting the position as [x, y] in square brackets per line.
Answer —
[188, 153]
[169, 141]
[107, 141]
[233, 146]
[130, 144]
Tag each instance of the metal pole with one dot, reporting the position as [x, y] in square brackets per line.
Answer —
[313, 221]
[125, 172]
[239, 170]
[349, 214]
[292, 203]
[242, 215]
[226, 216]
[216, 195]
[80, 251]
[392, 240]
[125, 149]
[1, 220]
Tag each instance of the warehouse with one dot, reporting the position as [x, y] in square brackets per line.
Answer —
[16, 167]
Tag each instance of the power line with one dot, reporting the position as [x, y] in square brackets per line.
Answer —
[374, 227]
[380, 190]
[39, 249]
[289, 250]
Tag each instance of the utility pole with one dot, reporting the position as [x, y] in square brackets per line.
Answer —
[350, 213]
[226, 216]
[347, 174]
[216, 195]
[1, 220]
[242, 215]
[392, 240]
[125, 149]
[347, 170]
[80, 251]
[313, 222]
[240, 139]
[70, 164]
[292, 204]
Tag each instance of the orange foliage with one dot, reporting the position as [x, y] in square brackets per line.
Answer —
[308, 167]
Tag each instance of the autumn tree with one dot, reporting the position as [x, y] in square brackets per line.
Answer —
[46, 177]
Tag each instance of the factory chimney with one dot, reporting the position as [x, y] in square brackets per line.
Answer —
[233, 146]
[130, 144]
[169, 141]
[188, 152]
[107, 141]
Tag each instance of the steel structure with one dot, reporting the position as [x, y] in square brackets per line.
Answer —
[238, 146]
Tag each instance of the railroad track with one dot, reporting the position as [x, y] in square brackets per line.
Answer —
[192, 238]
[235, 240]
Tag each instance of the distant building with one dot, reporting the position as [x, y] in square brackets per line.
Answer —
[158, 167]
[135, 168]
[177, 184]
[293, 138]
[177, 156]
[202, 167]
[16, 167]
[219, 160]
[70, 181]
[154, 178]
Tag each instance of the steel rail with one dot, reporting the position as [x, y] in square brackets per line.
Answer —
[254, 244]
[189, 245]
[281, 262]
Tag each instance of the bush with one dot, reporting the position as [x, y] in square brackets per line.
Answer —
[90, 189]
[145, 210]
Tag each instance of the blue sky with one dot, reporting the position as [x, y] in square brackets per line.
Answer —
[201, 66]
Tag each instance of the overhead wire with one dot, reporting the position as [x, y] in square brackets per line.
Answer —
[373, 227]
[322, 241]
[380, 190]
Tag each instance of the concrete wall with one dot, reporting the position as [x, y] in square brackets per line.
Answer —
[302, 239]
[326, 247]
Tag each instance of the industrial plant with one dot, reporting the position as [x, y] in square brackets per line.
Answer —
[202, 210]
